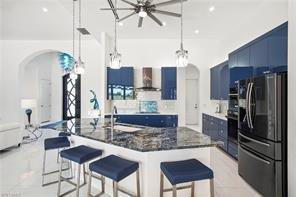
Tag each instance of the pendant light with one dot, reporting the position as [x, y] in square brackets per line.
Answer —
[79, 66]
[181, 54]
[73, 74]
[115, 57]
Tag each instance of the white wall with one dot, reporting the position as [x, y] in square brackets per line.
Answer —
[17, 53]
[292, 100]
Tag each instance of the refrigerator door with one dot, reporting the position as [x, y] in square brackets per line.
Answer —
[243, 100]
[262, 173]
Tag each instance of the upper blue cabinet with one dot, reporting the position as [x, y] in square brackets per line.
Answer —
[168, 83]
[220, 81]
[120, 83]
[266, 54]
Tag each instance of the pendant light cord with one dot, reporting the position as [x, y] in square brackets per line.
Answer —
[181, 24]
[79, 24]
[115, 29]
[73, 29]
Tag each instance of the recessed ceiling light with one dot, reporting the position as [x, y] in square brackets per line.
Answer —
[212, 9]
[196, 31]
[163, 23]
[120, 23]
[44, 9]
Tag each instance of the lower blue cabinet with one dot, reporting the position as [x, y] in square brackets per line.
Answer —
[217, 129]
[148, 120]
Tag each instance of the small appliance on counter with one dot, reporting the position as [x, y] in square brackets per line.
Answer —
[148, 107]
[218, 107]
[262, 136]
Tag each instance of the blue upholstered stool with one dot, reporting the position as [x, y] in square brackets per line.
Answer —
[117, 169]
[52, 144]
[185, 171]
[80, 155]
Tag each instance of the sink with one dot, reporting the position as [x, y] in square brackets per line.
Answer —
[127, 129]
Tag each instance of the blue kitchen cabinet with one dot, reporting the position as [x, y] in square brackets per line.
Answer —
[278, 49]
[120, 83]
[259, 57]
[220, 81]
[148, 120]
[243, 57]
[215, 83]
[168, 83]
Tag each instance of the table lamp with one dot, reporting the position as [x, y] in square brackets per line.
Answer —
[28, 104]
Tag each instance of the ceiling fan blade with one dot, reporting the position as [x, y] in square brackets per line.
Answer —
[140, 21]
[117, 9]
[133, 13]
[167, 3]
[166, 13]
[114, 11]
[130, 3]
[155, 19]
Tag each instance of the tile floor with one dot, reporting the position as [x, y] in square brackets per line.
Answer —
[20, 173]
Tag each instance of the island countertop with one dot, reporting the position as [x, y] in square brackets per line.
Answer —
[145, 139]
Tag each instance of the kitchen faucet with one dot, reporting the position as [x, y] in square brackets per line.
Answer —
[113, 111]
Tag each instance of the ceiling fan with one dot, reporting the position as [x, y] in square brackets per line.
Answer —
[144, 8]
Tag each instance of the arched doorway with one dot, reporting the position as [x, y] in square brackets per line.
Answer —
[41, 79]
[192, 95]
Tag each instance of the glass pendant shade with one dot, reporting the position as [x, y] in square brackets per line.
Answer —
[73, 75]
[181, 58]
[115, 60]
[79, 67]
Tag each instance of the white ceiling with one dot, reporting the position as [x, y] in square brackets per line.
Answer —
[24, 19]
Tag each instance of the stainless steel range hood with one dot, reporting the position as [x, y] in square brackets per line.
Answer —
[147, 80]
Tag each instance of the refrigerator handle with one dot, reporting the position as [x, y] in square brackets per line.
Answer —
[255, 156]
[249, 105]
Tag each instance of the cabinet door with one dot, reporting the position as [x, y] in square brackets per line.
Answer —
[213, 128]
[259, 57]
[278, 50]
[127, 76]
[215, 83]
[224, 82]
[243, 57]
[113, 76]
[168, 83]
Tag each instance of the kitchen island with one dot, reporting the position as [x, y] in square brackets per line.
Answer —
[146, 145]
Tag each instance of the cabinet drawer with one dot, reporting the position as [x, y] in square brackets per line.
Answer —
[223, 131]
[224, 145]
[205, 116]
[223, 123]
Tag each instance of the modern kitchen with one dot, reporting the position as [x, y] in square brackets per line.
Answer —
[153, 101]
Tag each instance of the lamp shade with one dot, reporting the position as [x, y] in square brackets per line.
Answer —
[28, 103]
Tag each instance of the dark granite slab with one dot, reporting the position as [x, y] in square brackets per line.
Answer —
[146, 139]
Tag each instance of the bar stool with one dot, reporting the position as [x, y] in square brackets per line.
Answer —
[117, 169]
[80, 155]
[182, 172]
[62, 134]
[52, 144]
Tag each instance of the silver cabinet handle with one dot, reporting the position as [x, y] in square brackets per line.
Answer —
[253, 140]
[255, 157]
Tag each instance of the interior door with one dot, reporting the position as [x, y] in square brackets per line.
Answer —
[44, 100]
[192, 110]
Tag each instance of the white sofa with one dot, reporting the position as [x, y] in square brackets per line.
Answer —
[10, 135]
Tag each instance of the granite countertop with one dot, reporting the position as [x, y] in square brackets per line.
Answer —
[146, 139]
[142, 114]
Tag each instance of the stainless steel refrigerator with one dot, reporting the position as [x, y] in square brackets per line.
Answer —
[262, 133]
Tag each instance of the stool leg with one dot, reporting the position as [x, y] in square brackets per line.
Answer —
[174, 191]
[161, 184]
[192, 189]
[60, 177]
[84, 178]
[212, 187]
[115, 189]
[43, 167]
[89, 183]
[58, 155]
[78, 181]
[138, 183]
[103, 184]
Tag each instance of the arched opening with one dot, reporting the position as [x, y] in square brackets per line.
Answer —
[192, 99]
[40, 79]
